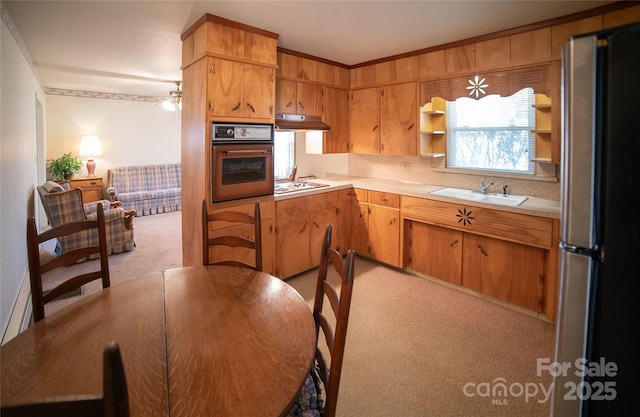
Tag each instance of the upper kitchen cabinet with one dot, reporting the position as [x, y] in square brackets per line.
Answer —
[238, 91]
[215, 36]
[336, 115]
[240, 68]
[295, 97]
[384, 119]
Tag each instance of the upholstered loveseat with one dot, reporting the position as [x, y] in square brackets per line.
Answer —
[63, 204]
[149, 189]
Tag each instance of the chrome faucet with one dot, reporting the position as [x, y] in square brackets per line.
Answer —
[484, 187]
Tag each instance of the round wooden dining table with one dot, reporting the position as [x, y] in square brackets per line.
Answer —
[195, 341]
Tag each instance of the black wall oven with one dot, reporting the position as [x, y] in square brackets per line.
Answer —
[241, 160]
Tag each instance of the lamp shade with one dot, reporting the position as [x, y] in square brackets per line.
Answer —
[90, 146]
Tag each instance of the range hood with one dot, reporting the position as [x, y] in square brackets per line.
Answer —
[299, 122]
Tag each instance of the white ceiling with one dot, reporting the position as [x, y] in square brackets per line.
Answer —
[134, 47]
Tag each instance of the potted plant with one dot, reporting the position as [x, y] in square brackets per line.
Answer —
[64, 167]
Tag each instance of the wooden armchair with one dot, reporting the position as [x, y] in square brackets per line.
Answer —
[63, 204]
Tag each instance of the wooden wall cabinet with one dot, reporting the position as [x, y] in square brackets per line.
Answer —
[236, 89]
[336, 115]
[295, 97]
[384, 120]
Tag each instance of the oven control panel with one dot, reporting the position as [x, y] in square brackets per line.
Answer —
[230, 132]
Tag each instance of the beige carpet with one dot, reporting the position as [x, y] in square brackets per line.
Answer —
[413, 345]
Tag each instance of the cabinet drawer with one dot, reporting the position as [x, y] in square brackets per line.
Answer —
[384, 199]
[352, 194]
[87, 183]
[304, 205]
[515, 227]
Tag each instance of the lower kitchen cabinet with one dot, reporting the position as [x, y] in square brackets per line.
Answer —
[508, 256]
[300, 226]
[435, 251]
[384, 227]
[505, 270]
[352, 223]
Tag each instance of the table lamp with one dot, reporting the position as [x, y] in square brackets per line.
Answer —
[90, 147]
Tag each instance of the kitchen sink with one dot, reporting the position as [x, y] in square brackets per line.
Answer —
[282, 187]
[491, 198]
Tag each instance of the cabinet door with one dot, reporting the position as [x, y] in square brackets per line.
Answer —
[398, 119]
[384, 234]
[336, 115]
[435, 251]
[365, 121]
[285, 96]
[292, 239]
[259, 92]
[309, 99]
[225, 88]
[318, 225]
[509, 271]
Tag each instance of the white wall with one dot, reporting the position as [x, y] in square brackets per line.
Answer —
[130, 132]
[19, 89]
[318, 164]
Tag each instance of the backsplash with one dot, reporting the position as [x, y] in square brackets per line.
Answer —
[420, 169]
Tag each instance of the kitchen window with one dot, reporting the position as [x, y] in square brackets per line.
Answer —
[283, 154]
[493, 133]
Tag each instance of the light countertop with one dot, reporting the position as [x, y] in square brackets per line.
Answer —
[532, 205]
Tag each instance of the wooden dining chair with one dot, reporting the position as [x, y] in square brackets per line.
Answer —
[326, 375]
[113, 403]
[37, 268]
[232, 241]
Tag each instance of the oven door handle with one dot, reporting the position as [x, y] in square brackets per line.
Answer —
[246, 151]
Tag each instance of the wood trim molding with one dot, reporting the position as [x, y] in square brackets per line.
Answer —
[231, 23]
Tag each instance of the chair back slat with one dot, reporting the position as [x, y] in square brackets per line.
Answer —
[38, 267]
[209, 243]
[336, 337]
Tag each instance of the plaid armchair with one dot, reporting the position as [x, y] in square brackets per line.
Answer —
[63, 204]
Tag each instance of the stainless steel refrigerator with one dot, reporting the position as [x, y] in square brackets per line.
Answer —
[596, 367]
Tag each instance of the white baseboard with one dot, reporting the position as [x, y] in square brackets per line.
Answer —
[21, 314]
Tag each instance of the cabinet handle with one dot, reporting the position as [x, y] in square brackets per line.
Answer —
[455, 242]
[210, 105]
[384, 199]
[270, 228]
[375, 128]
[237, 106]
[251, 107]
[289, 104]
[482, 251]
[410, 127]
[212, 68]
[393, 221]
[304, 227]
[301, 104]
[316, 225]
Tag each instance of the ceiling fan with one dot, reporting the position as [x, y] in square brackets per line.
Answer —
[174, 102]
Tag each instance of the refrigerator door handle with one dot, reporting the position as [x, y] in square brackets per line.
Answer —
[590, 252]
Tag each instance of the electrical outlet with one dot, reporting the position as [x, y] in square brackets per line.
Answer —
[407, 167]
